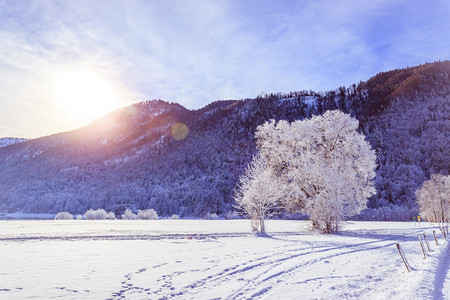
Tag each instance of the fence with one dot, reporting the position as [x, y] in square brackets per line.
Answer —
[423, 241]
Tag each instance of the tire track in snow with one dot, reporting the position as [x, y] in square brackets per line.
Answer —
[170, 236]
[251, 277]
[261, 265]
[167, 289]
[286, 276]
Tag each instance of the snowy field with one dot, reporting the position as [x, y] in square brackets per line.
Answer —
[199, 259]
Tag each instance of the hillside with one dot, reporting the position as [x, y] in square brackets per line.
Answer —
[130, 158]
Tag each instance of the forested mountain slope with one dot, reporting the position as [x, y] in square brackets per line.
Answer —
[9, 141]
[130, 157]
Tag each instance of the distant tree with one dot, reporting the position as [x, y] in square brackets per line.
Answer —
[258, 193]
[434, 198]
[64, 216]
[326, 167]
[303, 107]
[342, 100]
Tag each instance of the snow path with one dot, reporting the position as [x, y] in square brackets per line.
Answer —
[192, 259]
[442, 280]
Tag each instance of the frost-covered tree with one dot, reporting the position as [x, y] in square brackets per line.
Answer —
[258, 193]
[325, 165]
[433, 198]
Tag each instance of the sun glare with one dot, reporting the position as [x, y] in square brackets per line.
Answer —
[84, 96]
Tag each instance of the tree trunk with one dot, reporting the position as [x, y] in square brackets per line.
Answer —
[442, 213]
[261, 225]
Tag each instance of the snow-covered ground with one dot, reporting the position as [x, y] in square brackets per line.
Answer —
[199, 259]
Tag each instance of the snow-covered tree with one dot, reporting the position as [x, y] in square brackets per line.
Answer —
[147, 214]
[324, 164]
[64, 215]
[258, 193]
[433, 198]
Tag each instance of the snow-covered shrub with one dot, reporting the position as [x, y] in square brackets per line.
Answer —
[64, 216]
[128, 215]
[79, 217]
[210, 216]
[99, 214]
[231, 215]
[174, 217]
[147, 214]
[110, 216]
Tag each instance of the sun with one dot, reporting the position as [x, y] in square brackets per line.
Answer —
[83, 95]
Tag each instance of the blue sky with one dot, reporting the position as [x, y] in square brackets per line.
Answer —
[196, 52]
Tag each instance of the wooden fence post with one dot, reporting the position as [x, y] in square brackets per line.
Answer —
[426, 241]
[442, 229]
[421, 245]
[408, 267]
[435, 237]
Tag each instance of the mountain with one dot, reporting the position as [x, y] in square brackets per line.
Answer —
[160, 155]
[9, 141]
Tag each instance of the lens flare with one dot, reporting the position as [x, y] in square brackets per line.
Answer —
[179, 131]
